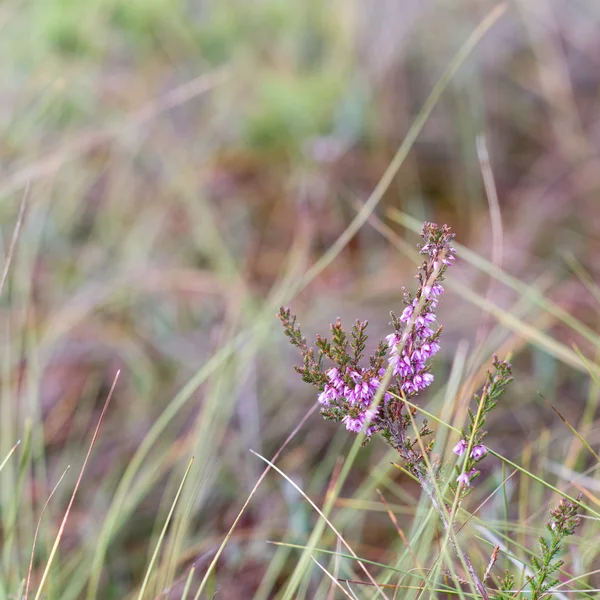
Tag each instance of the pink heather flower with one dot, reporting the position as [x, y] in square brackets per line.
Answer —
[478, 452]
[334, 377]
[409, 387]
[349, 394]
[449, 258]
[422, 381]
[434, 348]
[374, 383]
[417, 382]
[460, 448]
[354, 423]
[464, 479]
[327, 395]
[433, 290]
[362, 392]
[358, 422]
[407, 313]
[426, 351]
[425, 319]
[393, 340]
[418, 366]
[436, 291]
[371, 430]
[354, 375]
[402, 365]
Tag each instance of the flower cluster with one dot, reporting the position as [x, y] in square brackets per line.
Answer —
[477, 453]
[410, 363]
[413, 341]
[347, 390]
[353, 393]
[496, 382]
[355, 388]
[564, 518]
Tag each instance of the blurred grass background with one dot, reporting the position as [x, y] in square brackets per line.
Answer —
[187, 163]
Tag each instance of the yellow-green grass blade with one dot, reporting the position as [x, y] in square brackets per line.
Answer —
[10, 453]
[163, 533]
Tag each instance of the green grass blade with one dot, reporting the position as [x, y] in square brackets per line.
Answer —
[163, 532]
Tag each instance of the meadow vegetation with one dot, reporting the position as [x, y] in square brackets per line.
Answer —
[172, 173]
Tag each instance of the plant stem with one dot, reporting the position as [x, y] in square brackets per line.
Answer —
[442, 514]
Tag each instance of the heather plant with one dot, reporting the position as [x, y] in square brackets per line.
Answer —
[378, 395]
[562, 523]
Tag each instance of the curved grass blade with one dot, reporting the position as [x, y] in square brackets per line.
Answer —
[37, 529]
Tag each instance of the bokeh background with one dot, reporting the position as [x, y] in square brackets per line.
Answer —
[184, 165]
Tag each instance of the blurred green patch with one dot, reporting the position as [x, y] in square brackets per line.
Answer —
[290, 109]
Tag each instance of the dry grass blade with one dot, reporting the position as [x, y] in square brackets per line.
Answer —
[333, 579]
[11, 452]
[401, 533]
[572, 579]
[250, 496]
[493, 559]
[37, 529]
[583, 275]
[573, 430]
[15, 237]
[77, 484]
[492, 196]
[329, 523]
[590, 367]
[497, 231]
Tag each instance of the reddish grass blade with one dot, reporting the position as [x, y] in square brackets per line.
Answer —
[64, 521]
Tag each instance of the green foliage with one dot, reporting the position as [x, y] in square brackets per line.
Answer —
[289, 110]
[562, 524]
